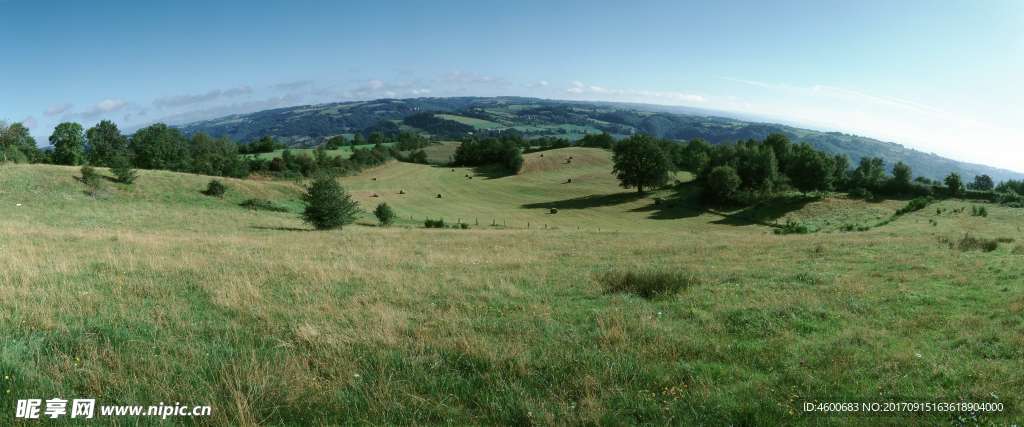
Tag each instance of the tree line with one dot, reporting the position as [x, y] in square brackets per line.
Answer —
[751, 171]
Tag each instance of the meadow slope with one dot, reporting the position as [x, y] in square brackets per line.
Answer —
[157, 293]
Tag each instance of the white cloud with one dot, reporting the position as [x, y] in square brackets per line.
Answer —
[190, 99]
[57, 109]
[105, 106]
[580, 90]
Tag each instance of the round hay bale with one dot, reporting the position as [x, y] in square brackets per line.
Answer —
[401, 191]
[374, 195]
[438, 196]
[554, 210]
[568, 181]
[374, 178]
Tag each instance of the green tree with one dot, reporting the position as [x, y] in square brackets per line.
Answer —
[954, 184]
[696, 156]
[597, 140]
[104, 143]
[328, 206]
[870, 173]
[840, 170]
[68, 144]
[809, 170]
[780, 145]
[385, 215]
[160, 147]
[216, 156]
[901, 177]
[640, 162]
[722, 183]
[335, 142]
[17, 145]
[982, 183]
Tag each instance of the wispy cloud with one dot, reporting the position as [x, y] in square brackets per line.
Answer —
[191, 99]
[104, 107]
[581, 90]
[58, 109]
[294, 85]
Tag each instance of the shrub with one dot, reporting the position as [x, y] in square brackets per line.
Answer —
[92, 180]
[328, 206]
[915, 205]
[464, 226]
[646, 284]
[979, 211]
[122, 169]
[262, 205]
[385, 215]
[793, 227]
[970, 243]
[215, 189]
[432, 223]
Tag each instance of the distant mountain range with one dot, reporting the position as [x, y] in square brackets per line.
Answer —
[453, 118]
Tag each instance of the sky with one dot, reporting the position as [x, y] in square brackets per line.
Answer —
[939, 76]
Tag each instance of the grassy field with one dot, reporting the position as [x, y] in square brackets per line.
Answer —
[157, 293]
[472, 121]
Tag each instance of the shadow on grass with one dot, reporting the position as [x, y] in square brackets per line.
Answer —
[584, 202]
[263, 227]
[683, 203]
[765, 213]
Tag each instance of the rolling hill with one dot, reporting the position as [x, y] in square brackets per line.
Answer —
[272, 323]
[453, 118]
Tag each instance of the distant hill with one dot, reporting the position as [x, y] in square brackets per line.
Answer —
[452, 118]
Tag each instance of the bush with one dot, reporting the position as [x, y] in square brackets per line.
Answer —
[431, 223]
[262, 205]
[793, 227]
[385, 215]
[122, 169]
[215, 189]
[328, 206]
[92, 180]
[646, 284]
[915, 205]
[979, 211]
[464, 226]
[970, 243]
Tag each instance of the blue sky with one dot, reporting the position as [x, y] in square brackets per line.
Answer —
[940, 76]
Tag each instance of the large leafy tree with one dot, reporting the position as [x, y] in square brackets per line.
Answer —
[216, 156]
[809, 169]
[982, 183]
[68, 144]
[105, 143]
[870, 173]
[954, 184]
[17, 145]
[901, 177]
[722, 183]
[640, 162]
[160, 147]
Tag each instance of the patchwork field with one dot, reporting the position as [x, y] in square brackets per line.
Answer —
[156, 293]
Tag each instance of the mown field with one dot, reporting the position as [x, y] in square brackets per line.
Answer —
[345, 152]
[157, 293]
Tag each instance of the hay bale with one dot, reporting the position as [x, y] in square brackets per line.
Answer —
[374, 178]
[439, 196]
[554, 210]
[568, 181]
[374, 195]
[401, 191]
